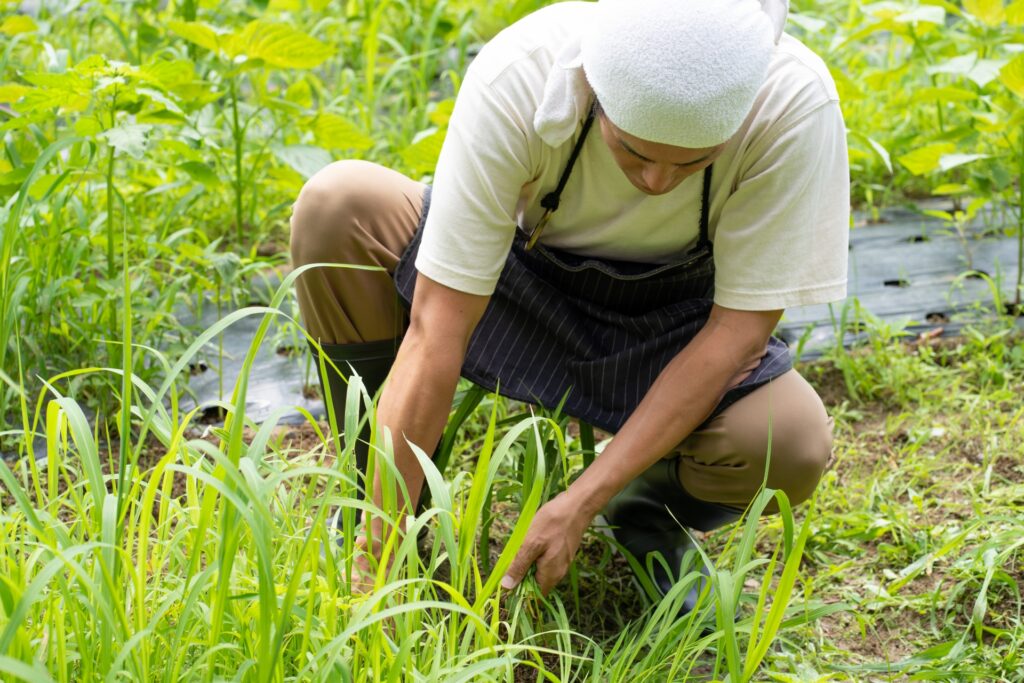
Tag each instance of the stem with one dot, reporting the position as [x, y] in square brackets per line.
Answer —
[111, 271]
[237, 134]
[1020, 223]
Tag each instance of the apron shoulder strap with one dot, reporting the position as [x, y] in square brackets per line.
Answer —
[551, 200]
[705, 209]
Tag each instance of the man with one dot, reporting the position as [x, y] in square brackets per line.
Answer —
[677, 172]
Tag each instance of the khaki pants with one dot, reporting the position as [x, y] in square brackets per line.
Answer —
[360, 213]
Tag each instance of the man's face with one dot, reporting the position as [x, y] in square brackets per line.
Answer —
[652, 167]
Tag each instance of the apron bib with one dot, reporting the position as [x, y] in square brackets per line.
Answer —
[592, 332]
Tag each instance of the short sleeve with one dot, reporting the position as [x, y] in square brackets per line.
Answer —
[484, 163]
[782, 237]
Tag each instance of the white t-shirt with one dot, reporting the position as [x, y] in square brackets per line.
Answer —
[779, 214]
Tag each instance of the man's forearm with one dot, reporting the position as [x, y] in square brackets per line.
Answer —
[415, 405]
[681, 398]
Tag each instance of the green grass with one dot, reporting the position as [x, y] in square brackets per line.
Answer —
[170, 555]
[200, 553]
[147, 173]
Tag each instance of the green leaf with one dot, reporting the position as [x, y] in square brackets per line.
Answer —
[944, 94]
[949, 161]
[925, 159]
[988, 12]
[950, 189]
[927, 14]
[981, 71]
[69, 80]
[130, 139]
[305, 159]
[43, 99]
[442, 113]
[807, 23]
[1012, 75]
[336, 132]
[300, 93]
[200, 172]
[196, 32]
[12, 92]
[87, 126]
[17, 23]
[1015, 13]
[279, 45]
[168, 72]
[421, 156]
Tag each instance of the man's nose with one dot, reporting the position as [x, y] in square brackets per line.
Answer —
[658, 177]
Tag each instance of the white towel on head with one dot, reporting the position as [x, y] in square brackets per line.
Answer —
[567, 93]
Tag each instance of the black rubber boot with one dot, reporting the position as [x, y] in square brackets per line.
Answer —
[649, 515]
[372, 361]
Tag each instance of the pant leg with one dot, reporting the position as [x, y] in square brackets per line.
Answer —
[725, 462]
[359, 213]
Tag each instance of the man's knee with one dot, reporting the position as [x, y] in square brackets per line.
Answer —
[799, 457]
[330, 212]
[784, 428]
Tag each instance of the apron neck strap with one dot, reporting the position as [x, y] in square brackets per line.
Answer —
[551, 200]
[705, 208]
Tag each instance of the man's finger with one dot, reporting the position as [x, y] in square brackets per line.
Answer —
[550, 571]
[520, 564]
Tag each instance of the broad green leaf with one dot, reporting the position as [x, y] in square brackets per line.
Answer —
[300, 93]
[927, 14]
[808, 24]
[883, 10]
[97, 65]
[69, 80]
[43, 99]
[160, 117]
[17, 23]
[944, 94]
[278, 45]
[1012, 75]
[168, 72]
[305, 159]
[159, 98]
[988, 12]
[336, 132]
[87, 126]
[130, 139]
[442, 113]
[196, 32]
[12, 92]
[981, 71]
[1015, 13]
[951, 188]
[16, 176]
[180, 149]
[925, 159]
[421, 156]
[200, 172]
[948, 161]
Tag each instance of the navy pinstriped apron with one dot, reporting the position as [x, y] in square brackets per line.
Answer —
[594, 331]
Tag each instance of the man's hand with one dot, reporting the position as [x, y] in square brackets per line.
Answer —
[551, 543]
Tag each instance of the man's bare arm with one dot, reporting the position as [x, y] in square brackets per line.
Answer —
[417, 397]
[725, 351]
